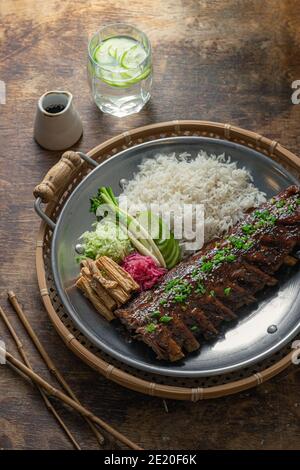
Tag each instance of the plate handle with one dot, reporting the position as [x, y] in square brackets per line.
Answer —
[55, 180]
[42, 214]
[57, 176]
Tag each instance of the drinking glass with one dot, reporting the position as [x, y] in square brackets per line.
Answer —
[120, 69]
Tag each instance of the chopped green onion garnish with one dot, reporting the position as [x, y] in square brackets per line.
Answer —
[248, 229]
[151, 327]
[195, 273]
[227, 290]
[155, 314]
[262, 214]
[259, 224]
[219, 257]
[171, 284]
[178, 290]
[280, 203]
[212, 293]
[272, 219]
[241, 243]
[200, 289]
[165, 319]
[194, 328]
[206, 267]
[237, 242]
[265, 216]
[230, 258]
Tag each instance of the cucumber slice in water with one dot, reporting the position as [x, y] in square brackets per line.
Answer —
[119, 59]
[133, 57]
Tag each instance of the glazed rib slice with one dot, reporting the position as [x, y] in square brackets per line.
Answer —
[199, 294]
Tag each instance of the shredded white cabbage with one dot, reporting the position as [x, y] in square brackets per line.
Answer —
[107, 239]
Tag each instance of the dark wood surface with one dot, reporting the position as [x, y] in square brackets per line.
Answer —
[222, 60]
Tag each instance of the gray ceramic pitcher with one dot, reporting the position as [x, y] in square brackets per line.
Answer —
[57, 123]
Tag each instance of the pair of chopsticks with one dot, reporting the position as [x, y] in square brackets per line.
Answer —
[48, 362]
[45, 356]
[45, 388]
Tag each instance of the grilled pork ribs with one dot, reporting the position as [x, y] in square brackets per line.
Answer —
[199, 294]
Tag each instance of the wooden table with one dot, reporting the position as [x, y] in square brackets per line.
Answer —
[219, 60]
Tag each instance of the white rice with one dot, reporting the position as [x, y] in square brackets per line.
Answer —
[225, 190]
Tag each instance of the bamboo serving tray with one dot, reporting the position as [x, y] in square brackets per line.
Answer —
[58, 188]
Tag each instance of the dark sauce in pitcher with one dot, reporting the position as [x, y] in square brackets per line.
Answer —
[55, 108]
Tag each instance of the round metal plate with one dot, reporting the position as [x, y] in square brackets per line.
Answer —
[264, 328]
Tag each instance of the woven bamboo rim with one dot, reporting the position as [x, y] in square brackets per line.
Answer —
[159, 386]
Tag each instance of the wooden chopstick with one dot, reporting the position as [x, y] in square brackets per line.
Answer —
[24, 356]
[48, 361]
[52, 391]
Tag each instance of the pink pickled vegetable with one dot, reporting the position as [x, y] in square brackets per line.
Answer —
[143, 270]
